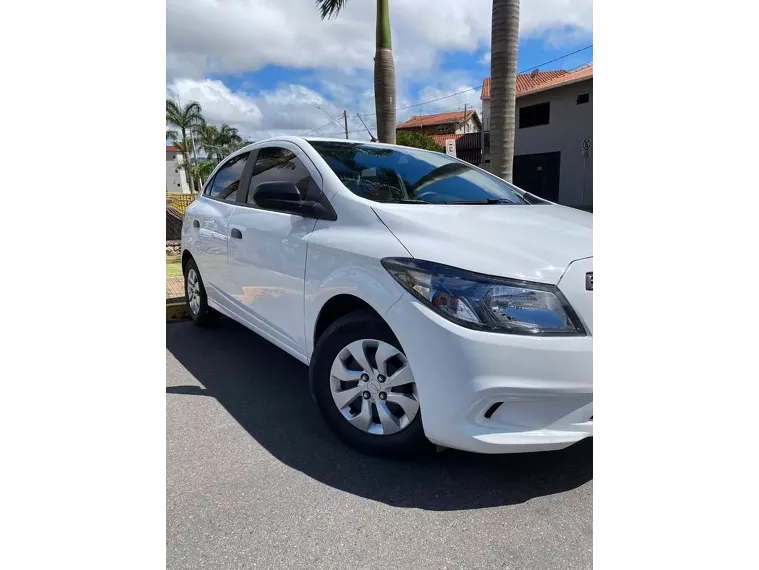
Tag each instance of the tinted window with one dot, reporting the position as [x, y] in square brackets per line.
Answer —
[386, 174]
[275, 164]
[224, 184]
[534, 115]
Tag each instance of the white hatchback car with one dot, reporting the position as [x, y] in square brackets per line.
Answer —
[432, 301]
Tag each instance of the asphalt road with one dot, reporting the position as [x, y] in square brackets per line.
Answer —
[256, 480]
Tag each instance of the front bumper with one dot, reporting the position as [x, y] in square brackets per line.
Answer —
[543, 386]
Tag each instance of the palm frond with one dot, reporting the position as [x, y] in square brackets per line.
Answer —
[329, 9]
[185, 117]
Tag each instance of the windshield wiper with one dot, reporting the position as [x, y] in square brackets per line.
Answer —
[405, 201]
[480, 202]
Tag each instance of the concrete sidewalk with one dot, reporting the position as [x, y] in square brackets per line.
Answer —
[175, 288]
[176, 304]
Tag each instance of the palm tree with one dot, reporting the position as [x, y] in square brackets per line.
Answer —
[503, 86]
[218, 142]
[207, 138]
[384, 66]
[201, 170]
[228, 138]
[184, 118]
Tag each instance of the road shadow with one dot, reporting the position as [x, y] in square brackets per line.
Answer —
[266, 391]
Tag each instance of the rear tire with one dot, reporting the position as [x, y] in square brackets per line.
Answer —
[373, 407]
[195, 293]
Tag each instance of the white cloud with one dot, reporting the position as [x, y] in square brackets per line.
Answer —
[294, 109]
[237, 36]
[289, 109]
[232, 36]
[219, 104]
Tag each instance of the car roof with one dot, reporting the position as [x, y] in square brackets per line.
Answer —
[307, 139]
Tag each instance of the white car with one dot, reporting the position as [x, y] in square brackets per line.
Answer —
[432, 301]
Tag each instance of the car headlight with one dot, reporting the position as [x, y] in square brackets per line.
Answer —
[484, 302]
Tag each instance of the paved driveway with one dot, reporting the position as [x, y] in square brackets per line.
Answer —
[256, 480]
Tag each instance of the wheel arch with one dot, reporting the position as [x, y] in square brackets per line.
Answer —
[337, 307]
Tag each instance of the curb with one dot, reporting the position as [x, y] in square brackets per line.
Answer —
[176, 310]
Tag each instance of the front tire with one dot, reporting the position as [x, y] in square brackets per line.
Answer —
[195, 293]
[364, 387]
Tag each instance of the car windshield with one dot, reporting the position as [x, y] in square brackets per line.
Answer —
[410, 175]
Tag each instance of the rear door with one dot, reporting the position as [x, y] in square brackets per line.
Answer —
[267, 252]
[210, 224]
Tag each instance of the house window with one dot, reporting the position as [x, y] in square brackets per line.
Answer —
[534, 115]
[584, 98]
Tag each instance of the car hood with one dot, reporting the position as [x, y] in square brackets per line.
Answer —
[530, 242]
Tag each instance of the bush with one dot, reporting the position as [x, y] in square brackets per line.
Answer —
[417, 140]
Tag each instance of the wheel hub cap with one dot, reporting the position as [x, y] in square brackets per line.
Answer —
[380, 406]
[193, 291]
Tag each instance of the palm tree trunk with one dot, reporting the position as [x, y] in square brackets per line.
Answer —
[503, 86]
[186, 156]
[384, 76]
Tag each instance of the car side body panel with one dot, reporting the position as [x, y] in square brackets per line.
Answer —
[345, 261]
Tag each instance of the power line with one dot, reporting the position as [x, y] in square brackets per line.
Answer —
[557, 59]
[457, 93]
[480, 86]
[317, 128]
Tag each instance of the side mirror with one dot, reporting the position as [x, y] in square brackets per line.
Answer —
[285, 197]
[277, 196]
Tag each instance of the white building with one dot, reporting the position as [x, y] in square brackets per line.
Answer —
[176, 178]
[554, 115]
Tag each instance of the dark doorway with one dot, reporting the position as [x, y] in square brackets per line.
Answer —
[539, 174]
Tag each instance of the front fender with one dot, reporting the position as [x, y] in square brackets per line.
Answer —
[345, 260]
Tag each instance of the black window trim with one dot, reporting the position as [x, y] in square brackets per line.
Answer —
[248, 166]
[300, 154]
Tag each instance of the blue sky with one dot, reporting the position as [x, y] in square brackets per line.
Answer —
[266, 66]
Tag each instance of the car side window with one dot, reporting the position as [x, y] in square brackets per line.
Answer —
[226, 180]
[276, 164]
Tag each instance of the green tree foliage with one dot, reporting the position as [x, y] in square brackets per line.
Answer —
[417, 140]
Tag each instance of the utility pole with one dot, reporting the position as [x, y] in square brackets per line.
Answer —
[464, 117]
[345, 118]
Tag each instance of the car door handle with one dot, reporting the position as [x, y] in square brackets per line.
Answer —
[236, 233]
[196, 223]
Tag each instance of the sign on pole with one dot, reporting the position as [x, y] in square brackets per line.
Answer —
[450, 147]
[586, 144]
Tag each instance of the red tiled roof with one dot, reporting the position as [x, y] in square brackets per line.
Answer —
[172, 149]
[526, 82]
[570, 77]
[440, 139]
[438, 119]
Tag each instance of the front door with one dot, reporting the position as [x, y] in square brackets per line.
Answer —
[267, 249]
[538, 174]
